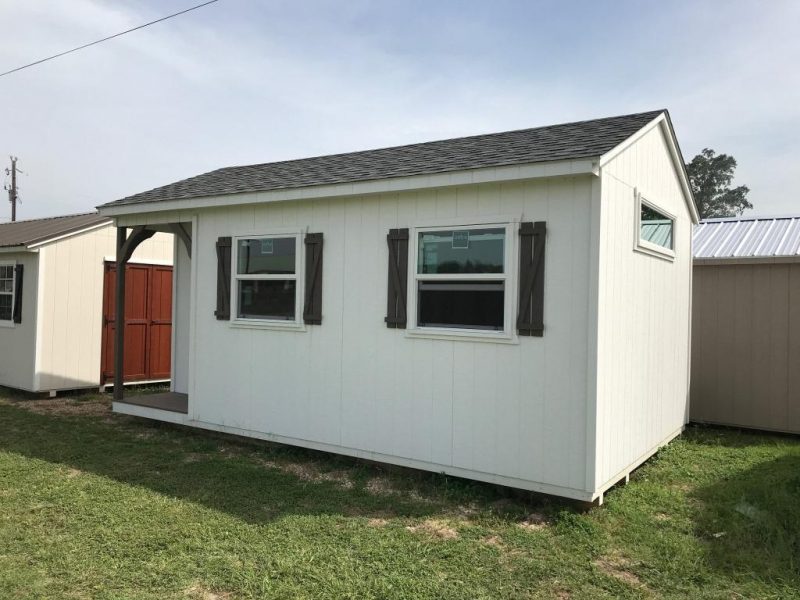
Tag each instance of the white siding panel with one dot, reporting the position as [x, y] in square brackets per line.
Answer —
[72, 304]
[644, 303]
[517, 410]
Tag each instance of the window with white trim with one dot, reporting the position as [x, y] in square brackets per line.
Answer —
[461, 278]
[655, 229]
[6, 292]
[265, 278]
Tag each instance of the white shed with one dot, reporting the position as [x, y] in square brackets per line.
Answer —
[52, 299]
[492, 307]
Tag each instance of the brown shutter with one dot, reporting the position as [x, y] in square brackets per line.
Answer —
[530, 318]
[398, 278]
[18, 271]
[312, 309]
[223, 312]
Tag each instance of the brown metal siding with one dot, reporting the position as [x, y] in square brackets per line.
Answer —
[746, 345]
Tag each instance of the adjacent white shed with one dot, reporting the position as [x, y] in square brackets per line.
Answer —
[52, 296]
[491, 307]
[746, 331]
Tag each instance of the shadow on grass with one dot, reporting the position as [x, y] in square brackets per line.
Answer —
[734, 437]
[253, 481]
[751, 521]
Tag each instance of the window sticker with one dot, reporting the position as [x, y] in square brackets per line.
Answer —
[266, 246]
[460, 240]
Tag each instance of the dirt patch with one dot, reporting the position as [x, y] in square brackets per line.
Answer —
[71, 473]
[533, 522]
[200, 592]
[434, 528]
[662, 517]
[618, 567]
[66, 407]
[377, 522]
[310, 472]
[383, 486]
[493, 540]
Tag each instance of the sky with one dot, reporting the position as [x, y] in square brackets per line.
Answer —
[245, 81]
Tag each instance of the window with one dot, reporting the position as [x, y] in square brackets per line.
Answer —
[6, 292]
[655, 229]
[461, 278]
[266, 278]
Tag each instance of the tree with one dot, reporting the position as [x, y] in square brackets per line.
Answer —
[710, 175]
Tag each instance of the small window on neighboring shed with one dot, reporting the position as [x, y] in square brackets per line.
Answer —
[655, 229]
[6, 292]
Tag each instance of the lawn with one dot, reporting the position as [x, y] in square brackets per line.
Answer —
[96, 505]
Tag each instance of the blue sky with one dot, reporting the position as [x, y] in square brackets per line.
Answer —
[243, 82]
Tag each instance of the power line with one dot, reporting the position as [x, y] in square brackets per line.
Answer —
[105, 39]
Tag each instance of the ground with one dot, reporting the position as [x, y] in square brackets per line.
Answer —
[96, 505]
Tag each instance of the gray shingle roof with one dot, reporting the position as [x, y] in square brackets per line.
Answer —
[584, 139]
[754, 237]
[33, 231]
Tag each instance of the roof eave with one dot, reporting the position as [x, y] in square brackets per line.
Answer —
[559, 168]
[37, 243]
[15, 249]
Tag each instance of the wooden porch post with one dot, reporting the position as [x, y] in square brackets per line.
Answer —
[119, 316]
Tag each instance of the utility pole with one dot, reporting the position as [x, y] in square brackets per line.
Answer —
[12, 190]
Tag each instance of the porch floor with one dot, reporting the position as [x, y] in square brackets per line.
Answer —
[171, 401]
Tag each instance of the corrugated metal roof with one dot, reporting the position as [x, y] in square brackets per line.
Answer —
[584, 139]
[756, 237]
[33, 231]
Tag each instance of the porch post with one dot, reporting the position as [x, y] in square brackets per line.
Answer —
[119, 316]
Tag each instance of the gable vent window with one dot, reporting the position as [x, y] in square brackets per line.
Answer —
[461, 278]
[655, 229]
[6, 292]
[266, 278]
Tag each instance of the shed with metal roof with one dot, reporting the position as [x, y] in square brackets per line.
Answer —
[52, 300]
[746, 323]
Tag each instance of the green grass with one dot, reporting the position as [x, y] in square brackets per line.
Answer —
[94, 505]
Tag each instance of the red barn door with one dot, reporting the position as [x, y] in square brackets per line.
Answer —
[148, 322]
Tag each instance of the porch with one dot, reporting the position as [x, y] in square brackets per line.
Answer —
[171, 405]
[171, 401]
